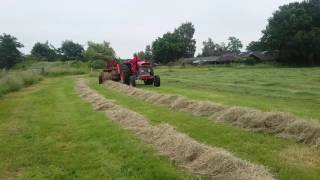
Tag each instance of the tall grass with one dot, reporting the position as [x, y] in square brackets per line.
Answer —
[59, 68]
[28, 73]
[15, 80]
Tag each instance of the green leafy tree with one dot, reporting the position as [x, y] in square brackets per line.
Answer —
[71, 51]
[173, 46]
[141, 54]
[9, 53]
[209, 48]
[148, 53]
[99, 53]
[44, 51]
[188, 44]
[294, 31]
[234, 45]
[255, 46]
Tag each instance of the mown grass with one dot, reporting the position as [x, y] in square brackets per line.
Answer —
[286, 159]
[295, 90]
[48, 132]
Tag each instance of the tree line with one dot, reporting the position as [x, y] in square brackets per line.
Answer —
[293, 31]
[96, 53]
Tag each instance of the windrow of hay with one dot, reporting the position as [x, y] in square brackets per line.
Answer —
[198, 158]
[281, 124]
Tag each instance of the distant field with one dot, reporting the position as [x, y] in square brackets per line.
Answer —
[295, 90]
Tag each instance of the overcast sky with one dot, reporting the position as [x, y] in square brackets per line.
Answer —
[130, 25]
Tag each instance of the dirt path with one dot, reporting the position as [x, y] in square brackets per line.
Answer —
[198, 158]
[281, 124]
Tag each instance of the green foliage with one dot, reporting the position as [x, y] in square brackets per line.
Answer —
[44, 51]
[294, 29]
[71, 51]
[99, 53]
[15, 80]
[234, 45]
[141, 54]
[173, 46]
[211, 48]
[59, 68]
[148, 53]
[98, 64]
[256, 46]
[250, 61]
[9, 53]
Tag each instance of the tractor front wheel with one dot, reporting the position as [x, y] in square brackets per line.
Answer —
[125, 74]
[148, 81]
[156, 82]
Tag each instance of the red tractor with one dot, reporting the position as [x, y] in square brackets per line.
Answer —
[130, 71]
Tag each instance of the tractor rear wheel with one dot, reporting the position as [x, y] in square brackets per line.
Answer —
[148, 81]
[133, 80]
[156, 82]
[125, 74]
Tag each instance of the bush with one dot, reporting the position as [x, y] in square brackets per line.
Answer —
[97, 64]
[250, 61]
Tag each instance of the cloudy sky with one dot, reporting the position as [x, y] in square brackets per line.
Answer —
[130, 25]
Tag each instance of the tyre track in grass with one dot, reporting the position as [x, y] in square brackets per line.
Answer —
[281, 124]
[198, 158]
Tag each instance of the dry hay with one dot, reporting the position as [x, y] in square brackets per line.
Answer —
[281, 124]
[198, 158]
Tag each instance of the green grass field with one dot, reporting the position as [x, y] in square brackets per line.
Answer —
[48, 132]
[286, 159]
[295, 90]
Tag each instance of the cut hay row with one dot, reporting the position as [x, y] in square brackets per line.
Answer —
[197, 158]
[280, 124]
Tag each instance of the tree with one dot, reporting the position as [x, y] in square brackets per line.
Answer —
[44, 51]
[71, 51]
[9, 53]
[99, 53]
[234, 45]
[294, 31]
[211, 48]
[255, 46]
[141, 54]
[175, 45]
[148, 53]
[186, 32]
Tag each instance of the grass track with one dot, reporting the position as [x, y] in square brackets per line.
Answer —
[48, 132]
[286, 159]
[295, 90]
